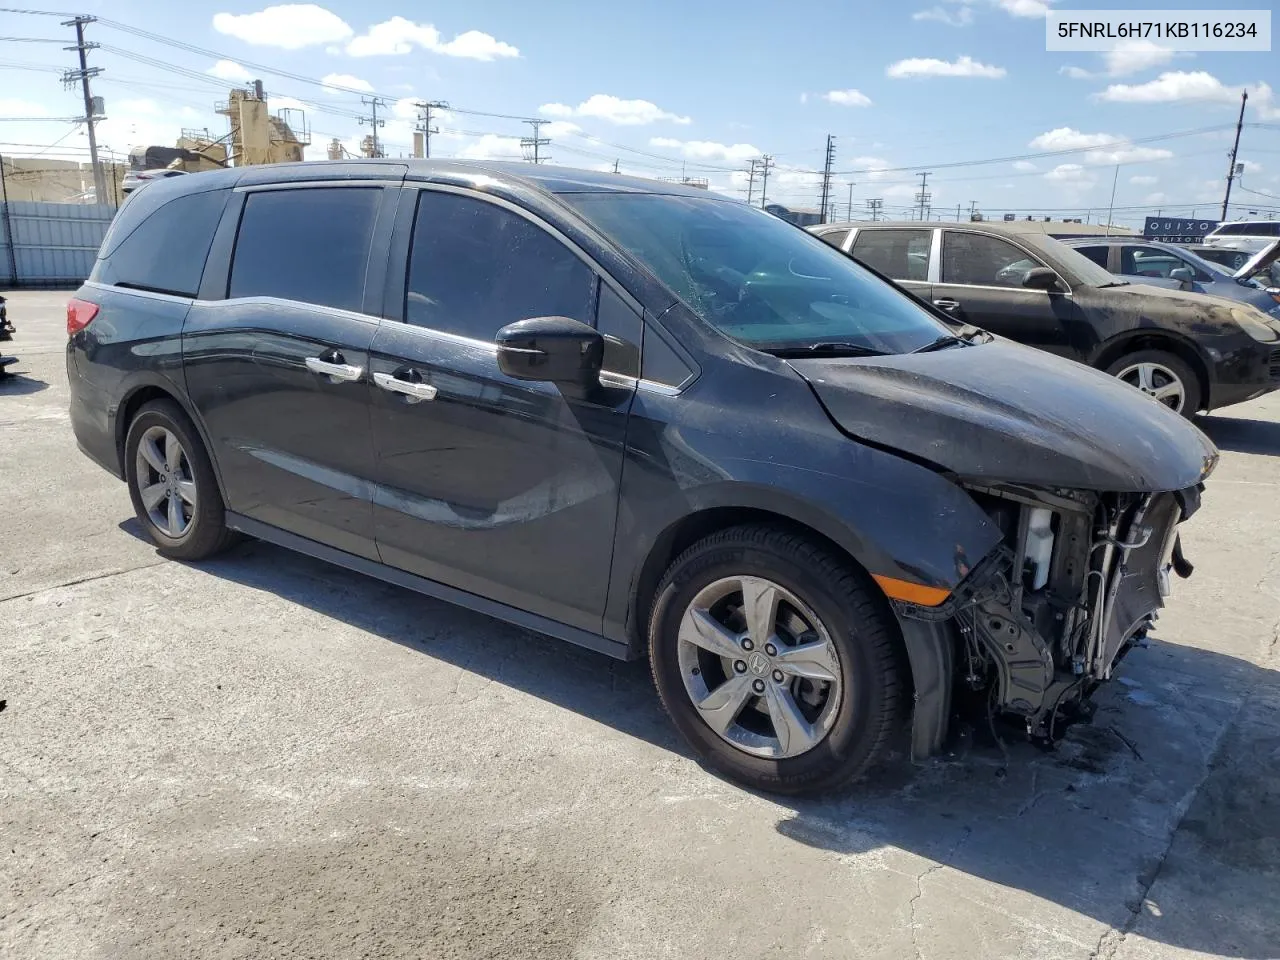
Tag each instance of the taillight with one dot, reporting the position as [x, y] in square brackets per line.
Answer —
[80, 314]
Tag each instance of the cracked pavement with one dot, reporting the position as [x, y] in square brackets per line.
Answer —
[263, 756]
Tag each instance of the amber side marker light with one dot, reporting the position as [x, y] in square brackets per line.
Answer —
[916, 593]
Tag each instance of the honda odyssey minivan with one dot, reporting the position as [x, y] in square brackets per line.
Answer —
[644, 419]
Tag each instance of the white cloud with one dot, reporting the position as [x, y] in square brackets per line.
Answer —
[1024, 8]
[1072, 173]
[1179, 86]
[1075, 73]
[1143, 181]
[624, 113]
[1156, 197]
[230, 71]
[399, 36]
[847, 98]
[275, 104]
[929, 67]
[1101, 148]
[1132, 56]
[561, 128]
[874, 167]
[492, 147]
[290, 26]
[707, 149]
[961, 18]
[474, 45]
[804, 98]
[1025, 166]
[346, 83]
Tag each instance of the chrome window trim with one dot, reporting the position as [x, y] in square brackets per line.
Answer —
[149, 294]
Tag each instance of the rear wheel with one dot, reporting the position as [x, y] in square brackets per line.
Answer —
[775, 659]
[1164, 377]
[171, 483]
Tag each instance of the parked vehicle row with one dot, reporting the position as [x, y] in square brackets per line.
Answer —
[653, 422]
[1189, 351]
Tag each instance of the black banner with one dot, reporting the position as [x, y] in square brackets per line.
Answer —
[1177, 229]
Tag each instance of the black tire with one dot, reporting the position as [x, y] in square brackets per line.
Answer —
[206, 533]
[1171, 362]
[855, 616]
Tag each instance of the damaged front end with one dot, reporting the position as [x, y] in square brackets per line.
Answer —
[1044, 618]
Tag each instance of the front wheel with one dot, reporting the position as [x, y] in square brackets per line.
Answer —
[1164, 377]
[775, 659]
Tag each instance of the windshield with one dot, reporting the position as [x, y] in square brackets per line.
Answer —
[758, 279]
[1217, 270]
[1073, 261]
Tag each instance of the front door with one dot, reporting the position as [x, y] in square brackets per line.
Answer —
[981, 283]
[504, 488]
[277, 370]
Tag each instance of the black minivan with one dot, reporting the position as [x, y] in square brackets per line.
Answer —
[644, 419]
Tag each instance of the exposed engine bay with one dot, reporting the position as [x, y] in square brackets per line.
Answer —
[1039, 622]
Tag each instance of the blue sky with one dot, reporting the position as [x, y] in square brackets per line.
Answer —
[700, 88]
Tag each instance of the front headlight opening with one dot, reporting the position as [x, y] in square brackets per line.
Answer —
[1255, 323]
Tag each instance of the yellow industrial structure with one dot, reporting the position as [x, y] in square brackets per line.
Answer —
[256, 137]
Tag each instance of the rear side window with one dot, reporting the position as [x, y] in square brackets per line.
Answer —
[165, 252]
[979, 260]
[1097, 254]
[475, 267]
[310, 245]
[899, 254]
[834, 237]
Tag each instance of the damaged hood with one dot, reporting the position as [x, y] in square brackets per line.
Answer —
[1000, 412]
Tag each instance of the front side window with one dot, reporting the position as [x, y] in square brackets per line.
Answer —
[475, 267]
[310, 245]
[976, 259]
[900, 254]
[1152, 262]
[1098, 254]
[165, 252]
[756, 278]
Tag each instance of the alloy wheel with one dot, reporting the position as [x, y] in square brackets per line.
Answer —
[165, 482]
[1158, 382]
[760, 667]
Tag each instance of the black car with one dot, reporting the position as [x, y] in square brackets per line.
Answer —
[647, 420]
[1188, 351]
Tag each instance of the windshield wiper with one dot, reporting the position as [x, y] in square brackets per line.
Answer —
[831, 348]
[946, 340]
[1113, 283]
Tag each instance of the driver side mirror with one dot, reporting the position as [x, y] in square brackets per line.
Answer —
[1184, 275]
[1040, 278]
[557, 350]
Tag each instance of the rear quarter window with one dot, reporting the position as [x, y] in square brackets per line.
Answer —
[161, 248]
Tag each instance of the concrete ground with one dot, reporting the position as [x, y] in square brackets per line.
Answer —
[264, 756]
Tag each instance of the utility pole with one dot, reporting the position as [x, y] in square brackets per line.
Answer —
[424, 122]
[535, 142]
[848, 213]
[1231, 171]
[973, 208]
[1111, 207]
[874, 205]
[373, 103]
[826, 178]
[765, 162]
[92, 107]
[751, 181]
[923, 196]
[615, 165]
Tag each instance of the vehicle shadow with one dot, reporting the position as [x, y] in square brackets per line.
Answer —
[1242, 435]
[17, 384]
[1086, 826]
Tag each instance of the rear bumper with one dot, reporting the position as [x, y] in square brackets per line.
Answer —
[93, 429]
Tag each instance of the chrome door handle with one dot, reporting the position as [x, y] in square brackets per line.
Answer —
[947, 304]
[336, 372]
[413, 392]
